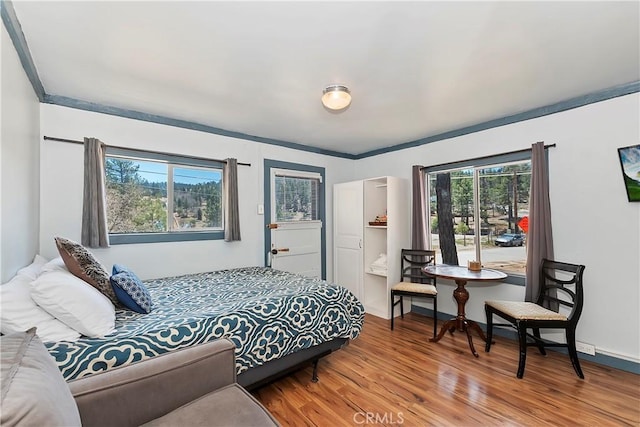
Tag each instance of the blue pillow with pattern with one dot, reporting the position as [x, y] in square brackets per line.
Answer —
[119, 268]
[131, 292]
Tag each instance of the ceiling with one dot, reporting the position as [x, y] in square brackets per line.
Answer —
[415, 69]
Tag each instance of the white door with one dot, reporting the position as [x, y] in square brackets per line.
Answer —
[347, 234]
[295, 222]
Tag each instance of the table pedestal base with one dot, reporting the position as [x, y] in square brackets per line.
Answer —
[462, 325]
[460, 322]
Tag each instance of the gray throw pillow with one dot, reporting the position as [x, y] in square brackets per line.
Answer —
[33, 390]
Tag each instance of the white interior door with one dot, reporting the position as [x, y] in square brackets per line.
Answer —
[295, 222]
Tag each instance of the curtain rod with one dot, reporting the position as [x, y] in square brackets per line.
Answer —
[484, 157]
[72, 141]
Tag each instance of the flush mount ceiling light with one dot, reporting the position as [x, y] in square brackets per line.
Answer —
[336, 97]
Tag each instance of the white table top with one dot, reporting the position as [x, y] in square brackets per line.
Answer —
[458, 272]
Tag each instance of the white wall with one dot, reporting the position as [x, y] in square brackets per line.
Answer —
[593, 224]
[19, 164]
[62, 180]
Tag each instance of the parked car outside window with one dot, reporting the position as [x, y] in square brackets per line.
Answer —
[510, 240]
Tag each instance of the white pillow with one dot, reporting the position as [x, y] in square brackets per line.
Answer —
[33, 270]
[74, 302]
[20, 312]
[53, 265]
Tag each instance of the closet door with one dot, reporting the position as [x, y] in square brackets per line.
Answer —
[348, 221]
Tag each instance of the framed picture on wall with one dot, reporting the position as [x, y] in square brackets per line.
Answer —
[630, 164]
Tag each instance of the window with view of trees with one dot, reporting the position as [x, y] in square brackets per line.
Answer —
[475, 214]
[296, 198]
[148, 196]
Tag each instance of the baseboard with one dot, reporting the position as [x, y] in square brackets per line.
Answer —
[599, 358]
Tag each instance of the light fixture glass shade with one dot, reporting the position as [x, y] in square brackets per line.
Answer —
[336, 97]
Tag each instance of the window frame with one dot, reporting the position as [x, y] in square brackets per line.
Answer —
[171, 161]
[477, 164]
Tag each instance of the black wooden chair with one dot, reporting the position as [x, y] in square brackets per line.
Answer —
[556, 282]
[414, 283]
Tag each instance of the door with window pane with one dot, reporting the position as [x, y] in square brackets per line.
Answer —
[295, 222]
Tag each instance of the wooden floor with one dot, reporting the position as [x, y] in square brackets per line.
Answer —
[399, 378]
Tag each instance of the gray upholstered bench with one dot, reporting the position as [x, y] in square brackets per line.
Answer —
[195, 386]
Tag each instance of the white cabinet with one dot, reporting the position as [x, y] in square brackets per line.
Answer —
[347, 236]
[358, 245]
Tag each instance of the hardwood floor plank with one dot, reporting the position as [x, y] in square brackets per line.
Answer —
[398, 377]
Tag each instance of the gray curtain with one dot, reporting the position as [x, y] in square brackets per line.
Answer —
[419, 216]
[94, 202]
[232, 215]
[540, 238]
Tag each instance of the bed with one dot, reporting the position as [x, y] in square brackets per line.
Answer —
[277, 320]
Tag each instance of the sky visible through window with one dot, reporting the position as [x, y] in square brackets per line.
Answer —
[157, 172]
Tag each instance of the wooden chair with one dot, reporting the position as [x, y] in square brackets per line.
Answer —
[414, 283]
[556, 281]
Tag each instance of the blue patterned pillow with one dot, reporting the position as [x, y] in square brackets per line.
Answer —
[119, 268]
[131, 292]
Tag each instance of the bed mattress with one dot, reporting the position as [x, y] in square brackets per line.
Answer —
[266, 313]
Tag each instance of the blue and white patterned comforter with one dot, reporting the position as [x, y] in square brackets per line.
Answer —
[266, 313]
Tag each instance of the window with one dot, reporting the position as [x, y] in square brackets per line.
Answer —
[475, 212]
[162, 198]
[296, 198]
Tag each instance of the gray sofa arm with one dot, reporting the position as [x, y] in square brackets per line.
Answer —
[143, 391]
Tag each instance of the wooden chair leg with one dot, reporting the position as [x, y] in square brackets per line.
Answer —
[392, 309]
[573, 353]
[435, 317]
[489, 316]
[536, 333]
[401, 307]
[522, 340]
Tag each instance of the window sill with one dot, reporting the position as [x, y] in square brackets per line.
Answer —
[133, 238]
[515, 279]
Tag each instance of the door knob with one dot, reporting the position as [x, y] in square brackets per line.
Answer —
[275, 251]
